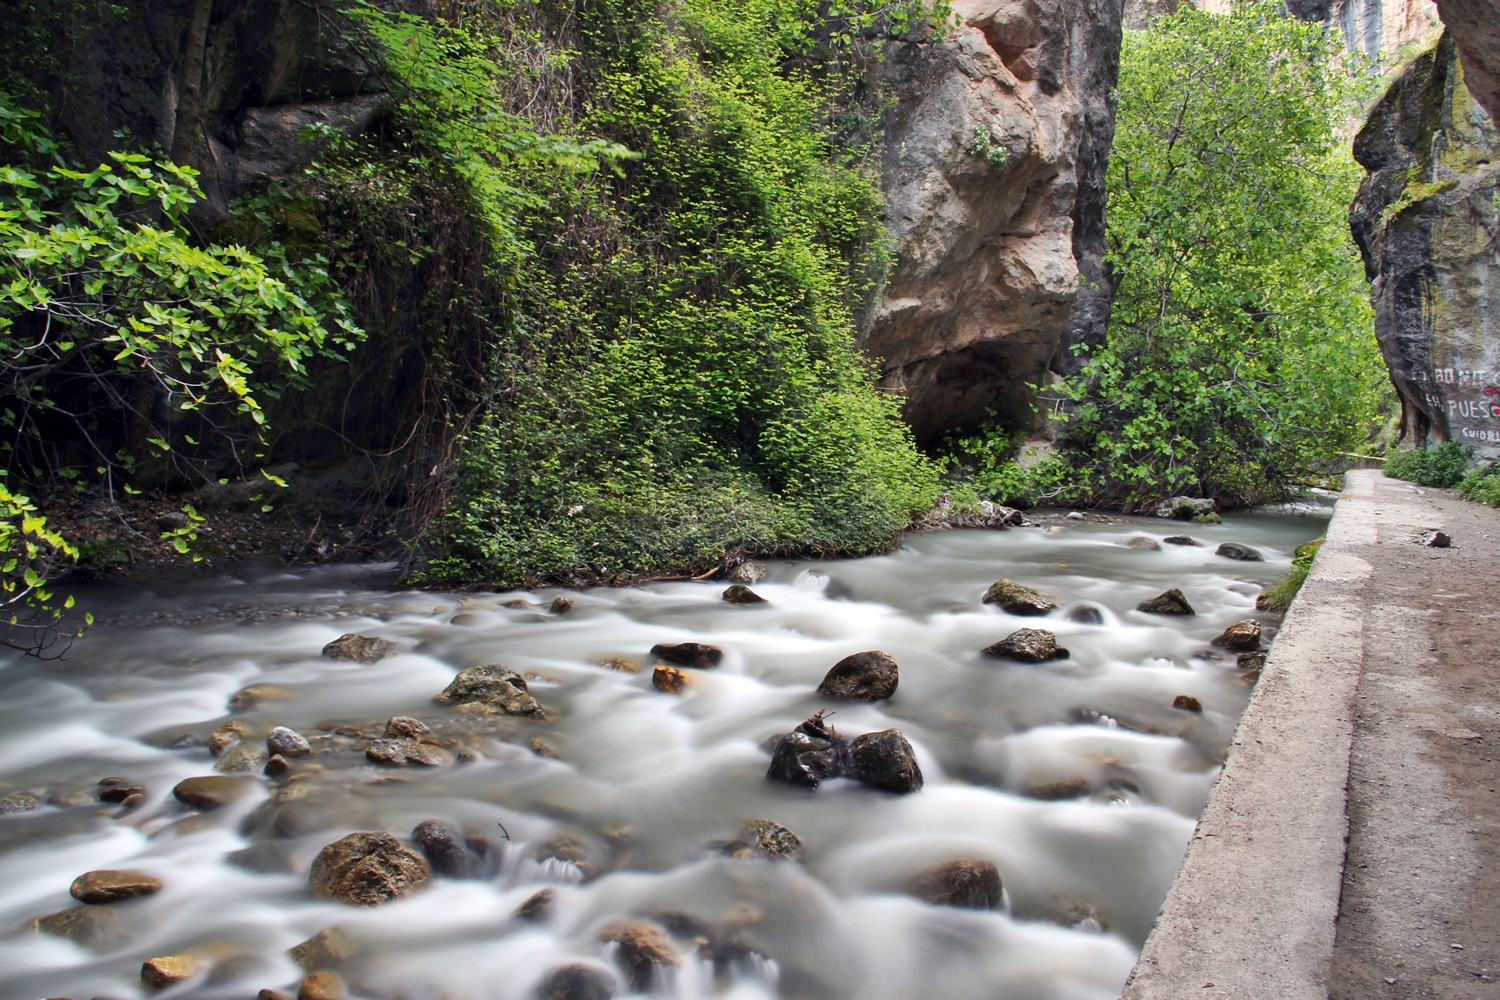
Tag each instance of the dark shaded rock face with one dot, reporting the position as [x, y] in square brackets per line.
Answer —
[993, 162]
[1475, 26]
[1425, 220]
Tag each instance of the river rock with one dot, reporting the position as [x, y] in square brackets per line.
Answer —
[867, 676]
[741, 594]
[287, 742]
[1028, 645]
[689, 654]
[1184, 508]
[1018, 599]
[1242, 553]
[562, 605]
[212, 791]
[404, 727]
[885, 760]
[327, 948]
[118, 790]
[352, 648]
[1250, 661]
[748, 571]
[809, 754]
[277, 766]
[1061, 789]
[19, 802]
[1241, 637]
[255, 695]
[577, 982]
[111, 886]
[270, 994]
[492, 688]
[241, 758]
[169, 970]
[1086, 614]
[542, 748]
[768, 839]
[538, 907]
[1170, 602]
[85, 926]
[1188, 703]
[1182, 540]
[367, 869]
[392, 752]
[321, 986]
[1143, 543]
[220, 739]
[644, 948]
[971, 883]
[445, 852]
[669, 679]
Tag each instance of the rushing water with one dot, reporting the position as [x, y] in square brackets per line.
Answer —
[645, 783]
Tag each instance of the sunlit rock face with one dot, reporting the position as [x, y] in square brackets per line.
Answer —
[994, 163]
[1426, 220]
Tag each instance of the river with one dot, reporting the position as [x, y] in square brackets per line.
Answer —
[1076, 778]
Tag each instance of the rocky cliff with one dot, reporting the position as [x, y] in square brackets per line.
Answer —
[1427, 221]
[994, 167]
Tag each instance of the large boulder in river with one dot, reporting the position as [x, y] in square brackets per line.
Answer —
[1169, 602]
[492, 688]
[689, 654]
[1241, 637]
[885, 760]
[1184, 508]
[367, 869]
[1028, 645]
[971, 883]
[1242, 553]
[1018, 599]
[868, 676]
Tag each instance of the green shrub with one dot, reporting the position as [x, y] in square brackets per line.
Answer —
[1482, 485]
[1442, 466]
[1278, 597]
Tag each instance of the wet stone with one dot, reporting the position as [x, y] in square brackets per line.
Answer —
[542, 748]
[392, 752]
[562, 605]
[1188, 703]
[445, 853]
[327, 948]
[86, 926]
[885, 760]
[741, 594]
[868, 676]
[971, 883]
[278, 766]
[539, 907]
[255, 695]
[1028, 645]
[1143, 543]
[1182, 540]
[1242, 553]
[404, 727]
[270, 994]
[287, 742]
[111, 886]
[212, 791]
[1170, 602]
[1250, 661]
[367, 869]
[577, 982]
[491, 688]
[19, 802]
[620, 664]
[169, 970]
[352, 648]
[1060, 791]
[669, 679]
[768, 839]
[689, 654]
[644, 948]
[1086, 614]
[1241, 637]
[1018, 599]
[321, 986]
[241, 758]
[804, 761]
[220, 739]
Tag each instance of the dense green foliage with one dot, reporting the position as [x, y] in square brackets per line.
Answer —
[1482, 485]
[672, 372]
[1239, 360]
[1279, 596]
[1442, 466]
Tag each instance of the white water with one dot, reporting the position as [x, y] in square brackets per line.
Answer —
[677, 772]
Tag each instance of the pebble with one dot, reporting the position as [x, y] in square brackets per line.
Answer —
[111, 886]
[220, 739]
[1182, 540]
[1143, 543]
[159, 973]
[277, 766]
[287, 742]
[577, 982]
[241, 756]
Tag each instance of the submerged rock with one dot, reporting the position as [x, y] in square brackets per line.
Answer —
[367, 869]
[85, 926]
[220, 739]
[1018, 599]
[321, 986]
[1241, 637]
[972, 883]
[491, 688]
[1086, 614]
[644, 948]
[868, 676]
[1028, 645]
[212, 791]
[445, 852]
[352, 648]
[1182, 540]
[741, 594]
[538, 907]
[1187, 703]
[1170, 602]
[1250, 661]
[1184, 508]
[19, 802]
[577, 982]
[328, 947]
[689, 654]
[1143, 543]
[885, 760]
[240, 757]
[562, 605]
[169, 970]
[111, 886]
[1242, 553]
[287, 742]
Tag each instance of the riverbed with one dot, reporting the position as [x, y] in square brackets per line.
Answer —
[1076, 778]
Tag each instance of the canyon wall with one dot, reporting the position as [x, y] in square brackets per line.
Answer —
[994, 165]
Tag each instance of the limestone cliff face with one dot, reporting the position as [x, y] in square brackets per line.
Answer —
[1427, 220]
[994, 166]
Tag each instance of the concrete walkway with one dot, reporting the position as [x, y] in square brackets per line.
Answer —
[1377, 720]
